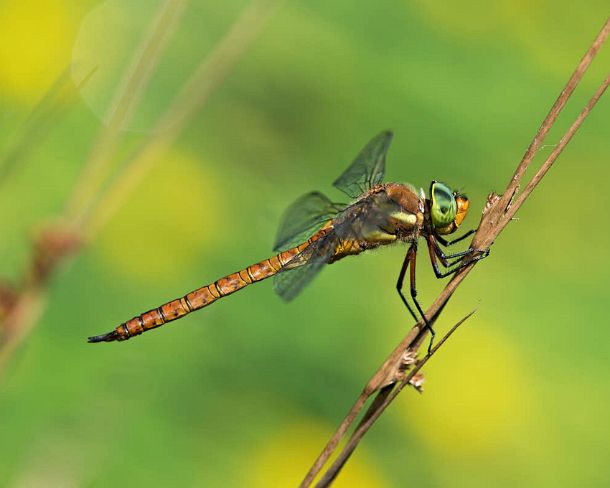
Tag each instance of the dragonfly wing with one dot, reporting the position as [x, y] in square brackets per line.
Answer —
[368, 168]
[349, 225]
[303, 218]
[301, 269]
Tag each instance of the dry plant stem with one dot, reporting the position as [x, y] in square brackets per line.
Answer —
[46, 258]
[496, 216]
[558, 149]
[207, 78]
[383, 379]
[46, 113]
[557, 108]
[126, 98]
[210, 74]
[20, 321]
[385, 396]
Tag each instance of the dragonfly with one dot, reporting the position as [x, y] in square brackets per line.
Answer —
[316, 231]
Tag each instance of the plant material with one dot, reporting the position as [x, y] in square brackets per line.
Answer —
[499, 210]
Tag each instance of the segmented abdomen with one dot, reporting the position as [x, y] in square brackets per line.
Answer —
[206, 295]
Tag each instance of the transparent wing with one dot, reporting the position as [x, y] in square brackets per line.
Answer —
[368, 168]
[349, 225]
[301, 269]
[303, 218]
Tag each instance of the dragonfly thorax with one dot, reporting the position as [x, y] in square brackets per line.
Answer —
[401, 210]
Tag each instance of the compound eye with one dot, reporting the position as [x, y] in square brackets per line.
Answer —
[442, 196]
[443, 206]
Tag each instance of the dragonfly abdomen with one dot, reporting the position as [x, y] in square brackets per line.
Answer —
[206, 295]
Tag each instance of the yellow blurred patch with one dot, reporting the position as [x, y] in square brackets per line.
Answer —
[35, 45]
[464, 19]
[161, 229]
[473, 397]
[540, 28]
[289, 453]
[481, 18]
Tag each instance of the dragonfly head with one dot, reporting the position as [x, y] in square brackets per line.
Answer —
[447, 208]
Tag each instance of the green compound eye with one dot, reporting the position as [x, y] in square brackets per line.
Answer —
[443, 207]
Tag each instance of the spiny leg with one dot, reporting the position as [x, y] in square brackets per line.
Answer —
[435, 255]
[410, 260]
[447, 243]
[436, 252]
[461, 264]
[413, 257]
[459, 261]
[445, 257]
[400, 282]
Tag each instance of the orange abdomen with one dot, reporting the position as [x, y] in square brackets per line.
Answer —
[206, 295]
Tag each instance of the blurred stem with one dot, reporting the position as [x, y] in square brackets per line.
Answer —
[86, 210]
[383, 399]
[37, 126]
[20, 322]
[497, 214]
[26, 311]
[126, 99]
[209, 76]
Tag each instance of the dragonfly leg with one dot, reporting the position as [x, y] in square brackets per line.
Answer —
[436, 253]
[399, 284]
[446, 243]
[410, 260]
[445, 257]
[483, 253]
[412, 255]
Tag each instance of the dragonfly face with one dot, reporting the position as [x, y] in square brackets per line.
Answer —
[447, 209]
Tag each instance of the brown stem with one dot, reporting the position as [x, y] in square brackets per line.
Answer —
[85, 215]
[385, 396]
[556, 109]
[208, 76]
[557, 151]
[53, 104]
[496, 215]
[126, 98]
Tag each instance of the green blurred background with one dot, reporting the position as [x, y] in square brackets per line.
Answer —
[247, 392]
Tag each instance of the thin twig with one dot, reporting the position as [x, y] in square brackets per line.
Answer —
[386, 395]
[208, 76]
[496, 215]
[56, 244]
[557, 151]
[369, 390]
[556, 109]
[31, 294]
[126, 99]
[20, 321]
[46, 113]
